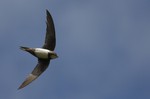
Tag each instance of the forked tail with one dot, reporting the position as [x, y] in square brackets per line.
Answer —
[24, 48]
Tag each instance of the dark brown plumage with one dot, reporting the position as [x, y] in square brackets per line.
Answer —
[48, 47]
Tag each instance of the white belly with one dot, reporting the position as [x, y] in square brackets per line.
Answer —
[41, 53]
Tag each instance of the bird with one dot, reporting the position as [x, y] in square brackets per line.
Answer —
[44, 54]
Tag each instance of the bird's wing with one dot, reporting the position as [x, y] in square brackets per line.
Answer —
[38, 70]
[50, 40]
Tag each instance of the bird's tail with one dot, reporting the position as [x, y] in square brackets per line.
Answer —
[24, 48]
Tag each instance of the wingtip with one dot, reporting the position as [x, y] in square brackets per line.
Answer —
[47, 11]
[20, 87]
[28, 80]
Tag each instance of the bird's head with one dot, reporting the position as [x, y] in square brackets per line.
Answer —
[53, 55]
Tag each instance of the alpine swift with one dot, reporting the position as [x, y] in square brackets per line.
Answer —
[44, 54]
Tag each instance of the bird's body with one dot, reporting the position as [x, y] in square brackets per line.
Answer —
[44, 54]
[40, 52]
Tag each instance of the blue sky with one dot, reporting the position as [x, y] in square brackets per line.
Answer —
[103, 48]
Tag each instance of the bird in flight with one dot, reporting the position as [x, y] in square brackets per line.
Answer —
[44, 54]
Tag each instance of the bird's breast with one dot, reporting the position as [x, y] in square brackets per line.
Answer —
[42, 53]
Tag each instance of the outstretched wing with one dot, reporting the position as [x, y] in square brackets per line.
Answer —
[50, 40]
[38, 70]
